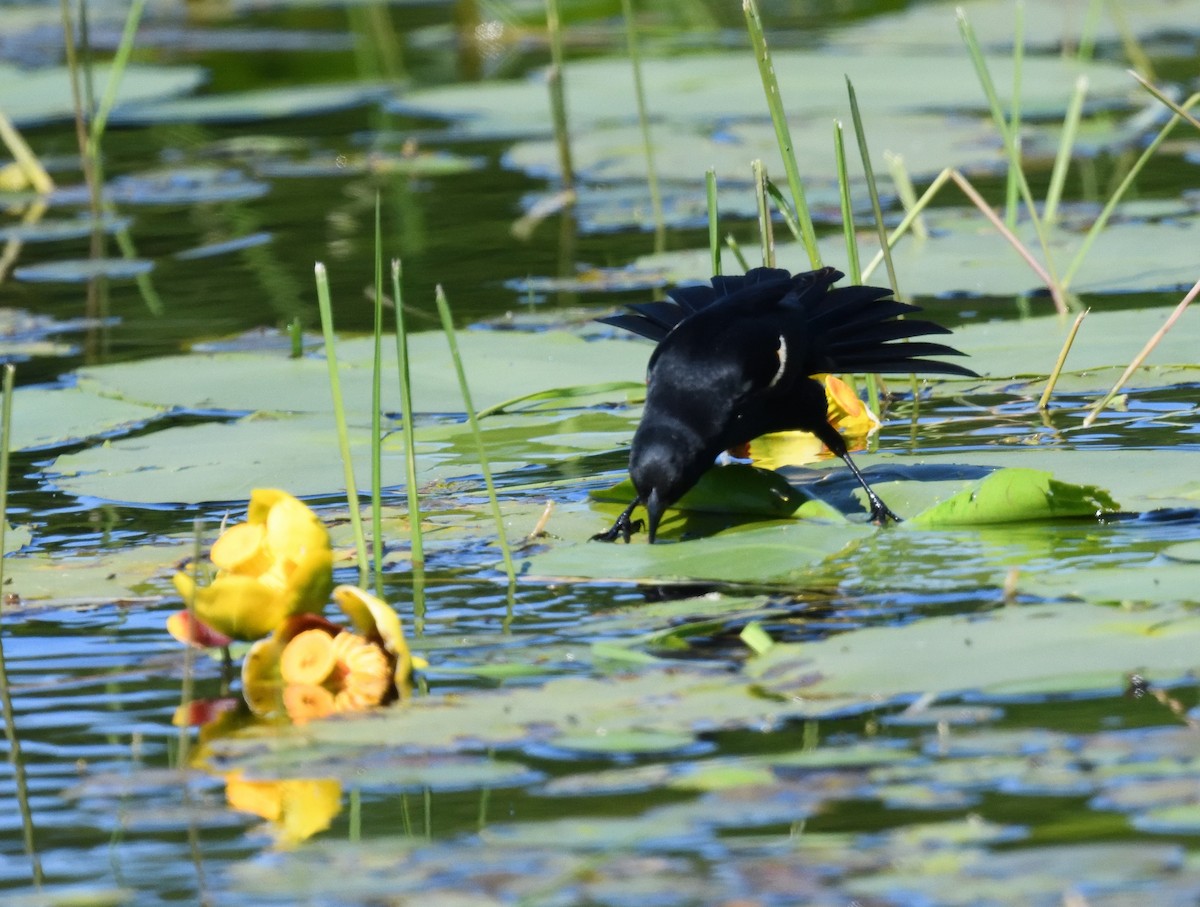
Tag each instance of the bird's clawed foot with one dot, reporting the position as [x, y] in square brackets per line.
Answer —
[881, 514]
[623, 528]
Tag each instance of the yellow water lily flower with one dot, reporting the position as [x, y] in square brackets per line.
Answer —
[846, 412]
[276, 564]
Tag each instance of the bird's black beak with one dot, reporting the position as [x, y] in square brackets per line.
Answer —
[654, 513]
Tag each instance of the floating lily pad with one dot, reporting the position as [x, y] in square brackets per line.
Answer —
[84, 269]
[33, 96]
[1036, 649]
[93, 577]
[247, 106]
[726, 86]
[57, 229]
[57, 417]
[499, 366]
[966, 256]
[224, 248]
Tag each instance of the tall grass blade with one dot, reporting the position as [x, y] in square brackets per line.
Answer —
[24, 157]
[1141, 356]
[558, 97]
[853, 264]
[448, 326]
[783, 136]
[1062, 159]
[377, 412]
[714, 225]
[766, 235]
[906, 191]
[876, 209]
[406, 415]
[15, 756]
[1044, 400]
[116, 71]
[635, 56]
[339, 414]
[1154, 90]
[1111, 204]
[1011, 141]
[736, 249]
[1012, 190]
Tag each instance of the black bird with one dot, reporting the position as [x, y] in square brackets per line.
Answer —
[734, 361]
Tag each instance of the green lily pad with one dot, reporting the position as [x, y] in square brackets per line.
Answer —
[57, 417]
[84, 269]
[85, 578]
[1035, 649]
[1016, 495]
[499, 366]
[33, 96]
[966, 256]
[727, 86]
[249, 106]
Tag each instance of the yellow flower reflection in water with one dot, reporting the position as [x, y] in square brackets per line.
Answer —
[276, 564]
[297, 807]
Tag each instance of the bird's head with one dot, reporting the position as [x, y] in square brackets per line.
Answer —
[665, 461]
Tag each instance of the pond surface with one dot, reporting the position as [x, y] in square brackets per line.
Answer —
[968, 712]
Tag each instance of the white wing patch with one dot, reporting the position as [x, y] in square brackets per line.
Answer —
[782, 353]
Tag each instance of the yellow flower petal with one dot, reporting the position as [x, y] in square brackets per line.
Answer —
[304, 702]
[262, 686]
[242, 549]
[373, 617]
[308, 659]
[240, 606]
[365, 676]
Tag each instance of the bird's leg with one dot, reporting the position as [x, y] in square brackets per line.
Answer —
[623, 527]
[880, 512]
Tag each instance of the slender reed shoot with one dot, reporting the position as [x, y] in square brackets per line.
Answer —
[766, 234]
[1044, 400]
[1141, 356]
[782, 134]
[339, 415]
[406, 415]
[1062, 159]
[714, 227]
[635, 56]
[377, 413]
[10, 731]
[448, 326]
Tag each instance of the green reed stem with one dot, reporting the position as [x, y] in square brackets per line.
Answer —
[1011, 144]
[1012, 190]
[906, 191]
[1141, 356]
[116, 70]
[377, 412]
[558, 97]
[1062, 158]
[783, 136]
[10, 728]
[872, 188]
[1153, 89]
[1121, 189]
[714, 227]
[406, 415]
[1044, 400]
[860, 135]
[635, 56]
[296, 337]
[766, 235]
[736, 249]
[853, 264]
[448, 326]
[339, 414]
